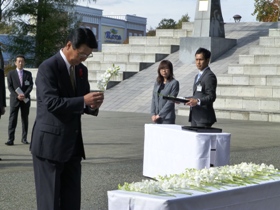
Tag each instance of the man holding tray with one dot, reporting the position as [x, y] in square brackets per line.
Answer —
[202, 113]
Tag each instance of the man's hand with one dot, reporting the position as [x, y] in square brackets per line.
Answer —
[192, 102]
[94, 99]
[155, 117]
[21, 97]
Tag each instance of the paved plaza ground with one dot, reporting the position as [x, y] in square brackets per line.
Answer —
[114, 149]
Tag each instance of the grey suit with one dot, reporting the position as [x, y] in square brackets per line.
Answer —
[15, 104]
[162, 107]
[204, 114]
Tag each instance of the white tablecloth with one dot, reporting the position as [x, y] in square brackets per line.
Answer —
[170, 150]
[265, 196]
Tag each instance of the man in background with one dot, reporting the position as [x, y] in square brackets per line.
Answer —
[20, 84]
[63, 95]
[2, 94]
[202, 113]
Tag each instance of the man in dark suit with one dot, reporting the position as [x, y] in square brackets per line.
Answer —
[19, 79]
[57, 144]
[202, 113]
[2, 94]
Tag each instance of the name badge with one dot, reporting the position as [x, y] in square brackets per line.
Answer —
[26, 82]
[199, 88]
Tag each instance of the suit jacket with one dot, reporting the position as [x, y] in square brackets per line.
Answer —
[56, 133]
[2, 90]
[14, 83]
[204, 113]
[162, 107]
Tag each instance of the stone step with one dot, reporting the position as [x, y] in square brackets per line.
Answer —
[249, 91]
[241, 79]
[259, 59]
[128, 48]
[254, 69]
[33, 103]
[248, 103]
[264, 50]
[32, 94]
[175, 33]
[248, 115]
[93, 86]
[125, 57]
[237, 114]
[153, 40]
[187, 26]
[274, 32]
[272, 41]
[94, 76]
[124, 66]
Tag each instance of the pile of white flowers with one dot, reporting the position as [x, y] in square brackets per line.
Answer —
[105, 78]
[204, 179]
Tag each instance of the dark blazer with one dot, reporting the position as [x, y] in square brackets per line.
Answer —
[14, 83]
[162, 107]
[57, 132]
[2, 90]
[204, 113]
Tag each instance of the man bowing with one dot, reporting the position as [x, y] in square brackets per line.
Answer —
[63, 95]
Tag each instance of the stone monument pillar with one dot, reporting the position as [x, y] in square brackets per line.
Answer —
[208, 32]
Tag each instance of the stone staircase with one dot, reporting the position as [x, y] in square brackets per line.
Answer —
[248, 75]
[140, 53]
[251, 89]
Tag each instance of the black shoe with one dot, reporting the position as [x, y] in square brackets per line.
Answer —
[24, 141]
[0, 159]
[9, 143]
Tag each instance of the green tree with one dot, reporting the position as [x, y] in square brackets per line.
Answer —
[184, 18]
[151, 32]
[40, 27]
[4, 28]
[167, 24]
[267, 10]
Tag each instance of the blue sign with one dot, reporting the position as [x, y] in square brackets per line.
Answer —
[112, 36]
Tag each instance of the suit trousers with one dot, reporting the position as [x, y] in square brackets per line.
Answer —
[58, 185]
[24, 110]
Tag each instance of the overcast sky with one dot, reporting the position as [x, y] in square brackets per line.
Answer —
[156, 10]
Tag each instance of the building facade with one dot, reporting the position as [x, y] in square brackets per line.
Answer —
[110, 29]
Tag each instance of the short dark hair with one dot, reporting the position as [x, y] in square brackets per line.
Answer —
[20, 56]
[80, 36]
[165, 64]
[206, 53]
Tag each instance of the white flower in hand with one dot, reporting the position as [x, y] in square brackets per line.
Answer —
[105, 78]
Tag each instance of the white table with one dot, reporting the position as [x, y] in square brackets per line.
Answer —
[170, 150]
[265, 196]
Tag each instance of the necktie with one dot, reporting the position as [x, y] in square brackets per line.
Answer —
[197, 78]
[20, 77]
[72, 76]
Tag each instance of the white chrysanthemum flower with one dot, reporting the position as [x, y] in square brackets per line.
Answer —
[202, 179]
[105, 78]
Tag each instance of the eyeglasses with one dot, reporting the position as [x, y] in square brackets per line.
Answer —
[82, 55]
